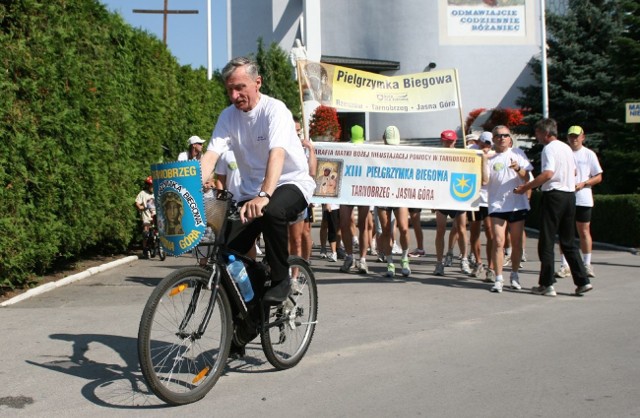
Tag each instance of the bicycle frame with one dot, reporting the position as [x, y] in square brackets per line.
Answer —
[217, 253]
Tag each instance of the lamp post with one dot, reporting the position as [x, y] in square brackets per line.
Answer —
[543, 46]
[209, 56]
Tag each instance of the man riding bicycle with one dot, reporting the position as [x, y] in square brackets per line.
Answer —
[276, 185]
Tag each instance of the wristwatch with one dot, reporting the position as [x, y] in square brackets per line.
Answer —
[264, 194]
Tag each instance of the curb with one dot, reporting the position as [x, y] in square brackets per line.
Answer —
[69, 279]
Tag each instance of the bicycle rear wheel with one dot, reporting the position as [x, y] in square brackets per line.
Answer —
[179, 362]
[285, 344]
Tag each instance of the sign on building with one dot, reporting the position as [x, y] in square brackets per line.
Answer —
[633, 112]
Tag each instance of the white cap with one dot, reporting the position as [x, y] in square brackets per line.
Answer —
[486, 137]
[196, 140]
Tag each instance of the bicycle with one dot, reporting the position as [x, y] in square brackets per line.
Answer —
[196, 314]
[154, 242]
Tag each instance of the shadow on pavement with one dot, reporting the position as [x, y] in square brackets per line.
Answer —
[110, 384]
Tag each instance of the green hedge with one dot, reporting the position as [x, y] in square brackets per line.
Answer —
[615, 219]
[88, 103]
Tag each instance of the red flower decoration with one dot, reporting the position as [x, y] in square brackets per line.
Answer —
[324, 122]
[499, 116]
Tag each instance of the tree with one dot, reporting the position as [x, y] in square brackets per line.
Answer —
[593, 68]
[580, 78]
[621, 157]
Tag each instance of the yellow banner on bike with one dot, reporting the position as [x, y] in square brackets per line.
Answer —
[349, 89]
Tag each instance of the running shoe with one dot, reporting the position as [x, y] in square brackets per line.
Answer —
[391, 270]
[362, 267]
[464, 266]
[515, 281]
[564, 272]
[346, 266]
[477, 270]
[448, 259]
[418, 252]
[583, 289]
[544, 290]
[589, 270]
[333, 257]
[497, 287]
[439, 271]
[490, 277]
[406, 271]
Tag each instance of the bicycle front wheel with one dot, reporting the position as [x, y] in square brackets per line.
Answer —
[290, 328]
[184, 337]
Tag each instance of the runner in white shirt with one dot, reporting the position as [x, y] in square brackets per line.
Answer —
[508, 169]
[481, 217]
[588, 174]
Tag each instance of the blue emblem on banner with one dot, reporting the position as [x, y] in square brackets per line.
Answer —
[177, 188]
[462, 186]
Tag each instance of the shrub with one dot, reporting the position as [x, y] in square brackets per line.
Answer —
[606, 223]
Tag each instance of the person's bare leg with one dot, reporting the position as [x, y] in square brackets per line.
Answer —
[499, 229]
[416, 224]
[441, 229]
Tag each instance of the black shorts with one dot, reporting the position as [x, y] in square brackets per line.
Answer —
[309, 217]
[583, 214]
[450, 213]
[415, 210]
[515, 216]
[479, 215]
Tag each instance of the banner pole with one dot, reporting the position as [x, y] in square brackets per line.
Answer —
[464, 135]
[304, 122]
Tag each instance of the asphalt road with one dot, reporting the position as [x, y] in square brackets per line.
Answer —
[422, 346]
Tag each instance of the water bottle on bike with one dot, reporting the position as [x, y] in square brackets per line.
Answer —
[239, 275]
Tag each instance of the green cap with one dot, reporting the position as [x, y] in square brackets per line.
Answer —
[575, 130]
[357, 134]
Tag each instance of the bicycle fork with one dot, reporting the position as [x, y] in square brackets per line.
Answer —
[214, 281]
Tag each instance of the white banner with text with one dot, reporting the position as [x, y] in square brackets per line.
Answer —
[397, 176]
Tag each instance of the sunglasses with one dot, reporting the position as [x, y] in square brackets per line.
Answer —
[502, 136]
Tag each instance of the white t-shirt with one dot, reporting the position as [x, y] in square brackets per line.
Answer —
[227, 166]
[557, 156]
[251, 135]
[147, 200]
[502, 181]
[183, 156]
[587, 166]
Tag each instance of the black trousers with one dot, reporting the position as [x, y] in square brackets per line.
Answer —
[558, 213]
[284, 206]
[333, 223]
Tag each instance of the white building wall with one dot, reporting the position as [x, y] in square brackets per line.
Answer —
[407, 31]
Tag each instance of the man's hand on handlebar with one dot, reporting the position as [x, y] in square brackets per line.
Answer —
[253, 209]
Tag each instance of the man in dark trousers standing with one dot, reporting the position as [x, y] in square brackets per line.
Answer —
[557, 179]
